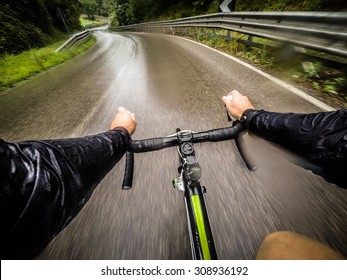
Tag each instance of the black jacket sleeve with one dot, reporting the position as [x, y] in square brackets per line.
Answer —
[44, 184]
[320, 138]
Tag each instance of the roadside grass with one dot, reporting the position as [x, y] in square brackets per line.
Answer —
[16, 68]
[85, 21]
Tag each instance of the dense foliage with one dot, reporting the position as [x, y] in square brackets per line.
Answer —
[122, 12]
[27, 24]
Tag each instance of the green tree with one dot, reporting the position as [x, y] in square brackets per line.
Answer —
[108, 7]
[123, 13]
[90, 7]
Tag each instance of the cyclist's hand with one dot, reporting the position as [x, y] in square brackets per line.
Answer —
[125, 119]
[236, 104]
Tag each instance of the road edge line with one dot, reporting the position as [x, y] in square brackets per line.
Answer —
[283, 84]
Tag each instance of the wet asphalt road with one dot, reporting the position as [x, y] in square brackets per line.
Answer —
[170, 82]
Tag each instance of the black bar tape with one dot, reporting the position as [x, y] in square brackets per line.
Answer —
[129, 171]
[226, 133]
[152, 144]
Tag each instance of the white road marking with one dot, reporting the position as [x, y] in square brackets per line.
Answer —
[287, 86]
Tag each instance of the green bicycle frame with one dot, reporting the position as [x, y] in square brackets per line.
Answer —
[201, 239]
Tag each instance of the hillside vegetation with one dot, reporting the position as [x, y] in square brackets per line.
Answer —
[27, 24]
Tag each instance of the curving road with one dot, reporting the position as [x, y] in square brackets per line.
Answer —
[171, 82]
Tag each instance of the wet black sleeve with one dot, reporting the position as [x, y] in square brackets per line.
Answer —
[44, 184]
[320, 138]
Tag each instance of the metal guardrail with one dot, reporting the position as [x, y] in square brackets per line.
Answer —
[321, 31]
[77, 38]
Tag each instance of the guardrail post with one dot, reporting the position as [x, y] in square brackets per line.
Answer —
[249, 41]
[307, 66]
[228, 37]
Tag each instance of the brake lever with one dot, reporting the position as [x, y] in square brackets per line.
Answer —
[245, 154]
[230, 117]
[241, 146]
[129, 171]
